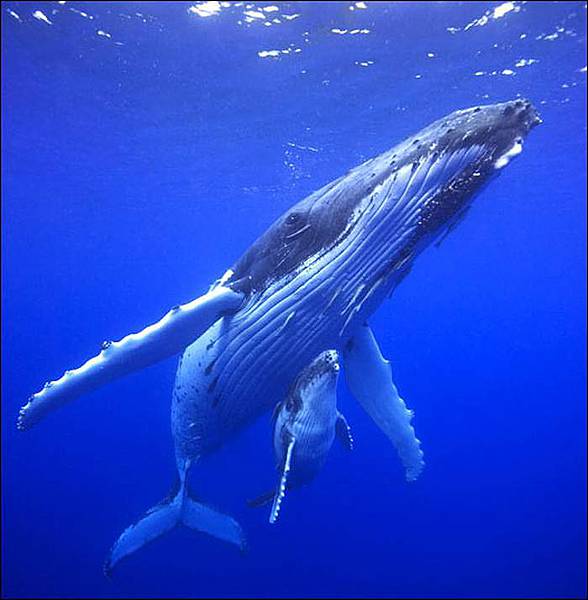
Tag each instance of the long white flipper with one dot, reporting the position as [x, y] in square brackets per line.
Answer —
[170, 335]
[281, 491]
[369, 377]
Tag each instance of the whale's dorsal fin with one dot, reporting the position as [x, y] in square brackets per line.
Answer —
[281, 491]
[343, 432]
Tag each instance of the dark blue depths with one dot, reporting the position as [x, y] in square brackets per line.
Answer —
[137, 167]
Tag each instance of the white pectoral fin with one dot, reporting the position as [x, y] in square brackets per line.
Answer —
[281, 491]
[180, 327]
[369, 377]
[343, 432]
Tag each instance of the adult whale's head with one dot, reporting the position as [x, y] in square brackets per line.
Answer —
[455, 157]
[419, 189]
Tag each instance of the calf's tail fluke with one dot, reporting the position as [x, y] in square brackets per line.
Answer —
[177, 509]
[178, 328]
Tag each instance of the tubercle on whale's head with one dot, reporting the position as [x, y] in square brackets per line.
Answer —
[501, 128]
[498, 129]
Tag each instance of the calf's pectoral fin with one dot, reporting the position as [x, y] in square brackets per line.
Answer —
[369, 377]
[180, 327]
[281, 490]
[343, 432]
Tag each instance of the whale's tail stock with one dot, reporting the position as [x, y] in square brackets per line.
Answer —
[177, 509]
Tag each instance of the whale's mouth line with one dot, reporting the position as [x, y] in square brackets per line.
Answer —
[511, 153]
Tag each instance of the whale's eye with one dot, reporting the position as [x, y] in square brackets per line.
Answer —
[292, 218]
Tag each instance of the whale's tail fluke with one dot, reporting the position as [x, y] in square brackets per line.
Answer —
[177, 509]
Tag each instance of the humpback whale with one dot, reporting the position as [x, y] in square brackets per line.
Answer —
[305, 425]
[309, 283]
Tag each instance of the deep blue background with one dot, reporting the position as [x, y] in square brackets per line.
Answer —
[134, 174]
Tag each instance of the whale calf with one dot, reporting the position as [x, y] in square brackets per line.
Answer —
[309, 283]
[305, 425]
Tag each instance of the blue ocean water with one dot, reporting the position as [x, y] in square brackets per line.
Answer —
[145, 146]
